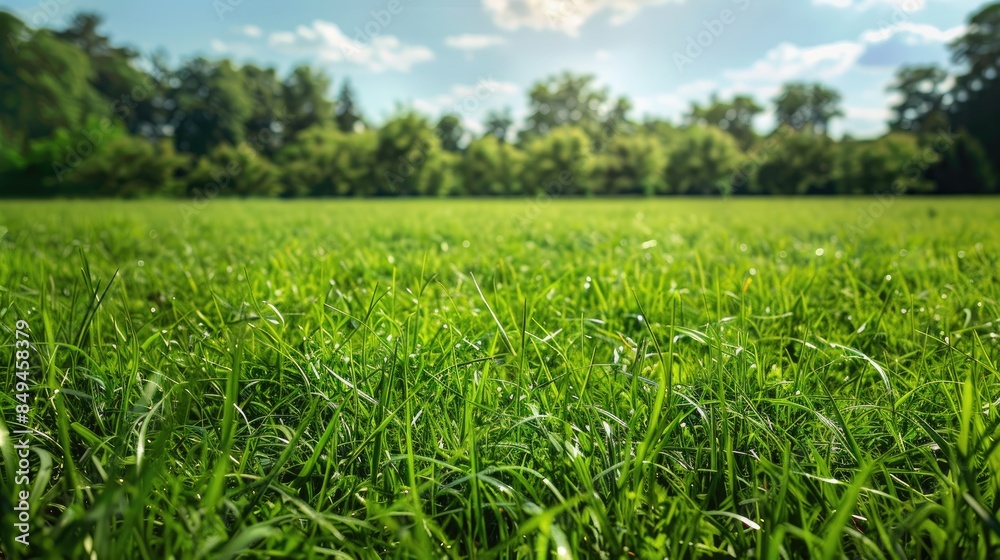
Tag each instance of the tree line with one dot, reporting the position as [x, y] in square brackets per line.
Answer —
[82, 117]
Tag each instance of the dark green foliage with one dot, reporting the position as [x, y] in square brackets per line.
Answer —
[700, 161]
[233, 171]
[348, 119]
[976, 92]
[45, 85]
[735, 117]
[632, 165]
[407, 156]
[795, 163]
[894, 163]
[491, 167]
[560, 163]
[212, 106]
[126, 167]
[807, 106]
[921, 107]
[324, 161]
[963, 167]
[450, 132]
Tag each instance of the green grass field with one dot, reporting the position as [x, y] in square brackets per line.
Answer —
[574, 379]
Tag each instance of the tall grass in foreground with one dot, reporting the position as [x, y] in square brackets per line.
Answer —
[448, 380]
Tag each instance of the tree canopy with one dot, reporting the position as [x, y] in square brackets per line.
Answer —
[82, 116]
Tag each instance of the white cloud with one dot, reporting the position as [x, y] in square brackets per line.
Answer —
[566, 16]
[252, 31]
[905, 6]
[863, 121]
[914, 33]
[235, 49]
[470, 42]
[602, 55]
[330, 44]
[282, 38]
[787, 62]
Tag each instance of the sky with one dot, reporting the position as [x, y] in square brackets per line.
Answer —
[472, 56]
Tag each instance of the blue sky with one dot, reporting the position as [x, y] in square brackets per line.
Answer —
[469, 56]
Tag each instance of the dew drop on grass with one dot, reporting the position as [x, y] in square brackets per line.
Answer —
[141, 264]
[820, 252]
[743, 247]
[753, 272]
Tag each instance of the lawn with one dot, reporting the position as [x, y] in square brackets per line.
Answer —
[461, 379]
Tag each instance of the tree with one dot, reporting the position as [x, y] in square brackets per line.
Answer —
[490, 166]
[44, 84]
[115, 76]
[700, 161]
[616, 122]
[975, 108]
[405, 157]
[887, 164]
[48, 108]
[305, 92]
[325, 161]
[498, 124]
[631, 165]
[559, 163]
[348, 119]
[921, 105]
[564, 100]
[735, 117]
[796, 163]
[962, 167]
[449, 130]
[233, 171]
[265, 122]
[211, 106]
[807, 106]
[127, 168]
